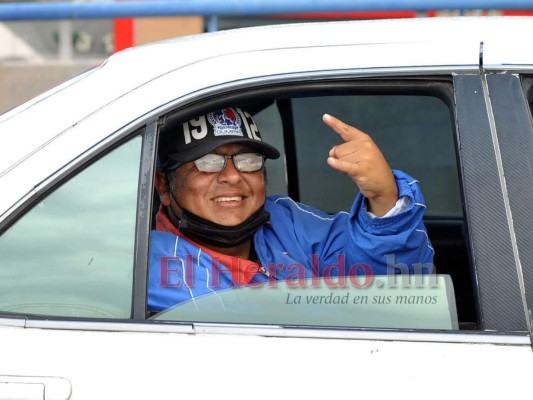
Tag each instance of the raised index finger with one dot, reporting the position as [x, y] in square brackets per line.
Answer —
[345, 131]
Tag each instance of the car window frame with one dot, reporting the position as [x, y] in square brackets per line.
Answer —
[513, 120]
[491, 316]
[144, 212]
[485, 203]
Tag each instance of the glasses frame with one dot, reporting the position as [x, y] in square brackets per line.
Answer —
[226, 157]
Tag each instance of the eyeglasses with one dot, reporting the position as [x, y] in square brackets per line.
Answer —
[244, 162]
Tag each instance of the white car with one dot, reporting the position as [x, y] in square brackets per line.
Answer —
[447, 100]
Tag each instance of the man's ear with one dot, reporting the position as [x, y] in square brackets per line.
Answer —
[163, 188]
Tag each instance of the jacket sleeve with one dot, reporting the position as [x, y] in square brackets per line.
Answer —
[348, 243]
[392, 244]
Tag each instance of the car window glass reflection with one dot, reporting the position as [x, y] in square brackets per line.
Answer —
[72, 254]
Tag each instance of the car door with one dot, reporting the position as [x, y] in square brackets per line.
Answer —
[74, 284]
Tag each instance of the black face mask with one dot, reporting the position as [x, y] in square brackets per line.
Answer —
[205, 231]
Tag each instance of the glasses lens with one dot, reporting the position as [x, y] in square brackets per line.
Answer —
[210, 163]
[248, 162]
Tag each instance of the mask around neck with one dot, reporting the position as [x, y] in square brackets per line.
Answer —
[205, 231]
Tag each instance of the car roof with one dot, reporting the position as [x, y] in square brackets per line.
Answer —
[75, 116]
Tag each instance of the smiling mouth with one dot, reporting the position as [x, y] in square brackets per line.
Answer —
[228, 199]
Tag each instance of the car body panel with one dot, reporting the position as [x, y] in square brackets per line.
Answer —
[112, 364]
[52, 136]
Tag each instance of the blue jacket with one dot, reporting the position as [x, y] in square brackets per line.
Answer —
[299, 242]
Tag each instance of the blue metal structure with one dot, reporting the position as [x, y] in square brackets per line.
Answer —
[94, 10]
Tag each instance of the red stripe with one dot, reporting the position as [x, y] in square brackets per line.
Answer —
[517, 12]
[123, 29]
[386, 14]
[352, 15]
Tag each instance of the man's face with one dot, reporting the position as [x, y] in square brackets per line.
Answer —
[226, 198]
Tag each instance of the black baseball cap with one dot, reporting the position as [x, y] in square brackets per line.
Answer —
[199, 136]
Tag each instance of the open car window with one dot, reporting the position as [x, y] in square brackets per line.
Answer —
[414, 128]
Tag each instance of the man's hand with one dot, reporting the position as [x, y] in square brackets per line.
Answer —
[361, 158]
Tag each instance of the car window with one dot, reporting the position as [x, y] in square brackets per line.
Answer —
[418, 302]
[72, 254]
[416, 135]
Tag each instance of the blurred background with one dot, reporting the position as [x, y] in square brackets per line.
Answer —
[36, 55]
